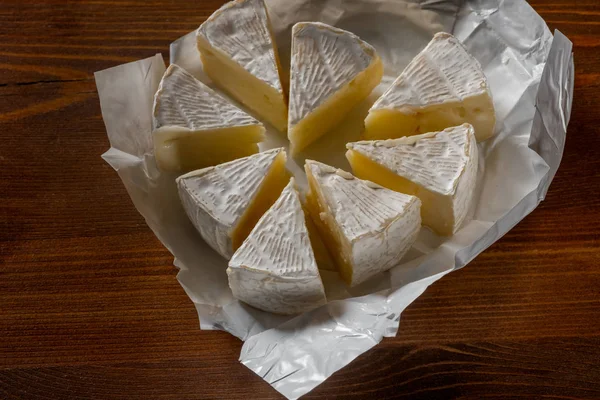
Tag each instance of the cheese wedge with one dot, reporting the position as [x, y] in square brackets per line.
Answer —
[367, 228]
[332, 70]
[239, 54]
[439, 167]
[443, 86]
[193, 127]
[275, 269]
[225, 202]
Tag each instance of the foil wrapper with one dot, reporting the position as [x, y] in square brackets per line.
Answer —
[531, 74]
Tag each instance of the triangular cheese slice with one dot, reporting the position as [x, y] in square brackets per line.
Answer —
[225, 202]
[275, 269]
[443, 86]
[367, 228]
[439, 167]
[193, 127]
[239, 54]
[332, 70]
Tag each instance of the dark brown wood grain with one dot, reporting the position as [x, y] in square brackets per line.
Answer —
[90, 307]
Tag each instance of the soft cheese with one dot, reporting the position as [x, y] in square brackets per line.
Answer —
[322, 254]
[275, 268]
[443, 86]
[367, 228]
[194, 127]
[438, 167]
[332, 70]
[226, 201]
[239, 54]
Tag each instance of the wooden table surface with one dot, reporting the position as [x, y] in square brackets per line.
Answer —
[89, 304]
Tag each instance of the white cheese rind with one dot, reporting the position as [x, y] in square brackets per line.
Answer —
[240, 29]
[215, 198]
[442, 166]
[275, 268]
[324, 59]
[380, 225]
[183, 102]
[444, 78]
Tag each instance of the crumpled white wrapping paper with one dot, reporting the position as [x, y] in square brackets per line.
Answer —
[531, 77]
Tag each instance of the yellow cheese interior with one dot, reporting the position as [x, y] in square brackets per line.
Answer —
[322, 256]
[339, 248]
[333, 110]
[184, 150]
[270, 189]
[284, 77]
[268, 103]
[389, 124]
[436, 209]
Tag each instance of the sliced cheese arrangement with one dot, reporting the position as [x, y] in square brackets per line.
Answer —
[275, 268]
[418, 166]
[224, 202]
[438, 167]
[239, 54]
[443, 86]
[367, 228]
[194, 127]
[332, 70]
